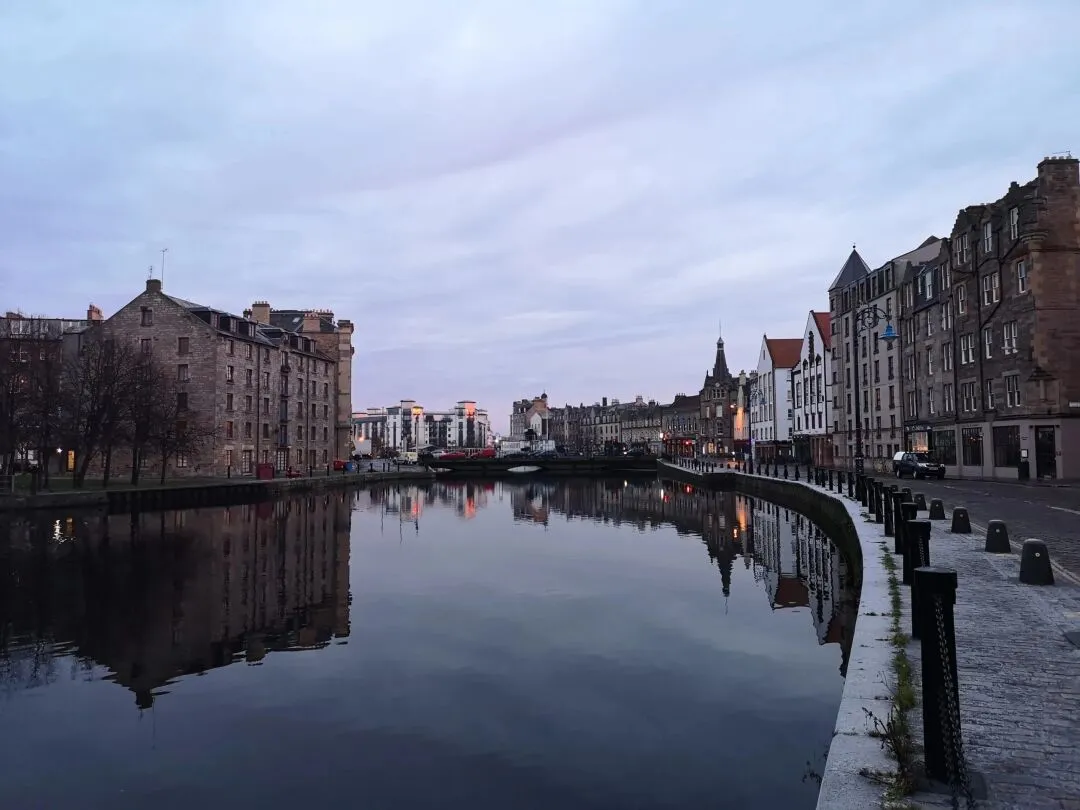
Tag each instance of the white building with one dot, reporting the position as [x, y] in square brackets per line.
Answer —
[408, 426]
[771, 410]
[811, 383]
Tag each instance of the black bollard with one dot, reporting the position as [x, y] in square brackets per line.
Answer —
[909, 513]
[942, 740]
[997, 538]
[918, 540]
[851, 485]
[907, 493]
[785, 472]
[961, 523]
[937, 509]
[830, 478]
[920, 501]
[887, 509]
[879, 501]
[1035, 568]
[749, 467]
[797, 473]
[896, 499]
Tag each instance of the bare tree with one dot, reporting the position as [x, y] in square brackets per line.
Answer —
[177, 432]
[43, 414]
[95, 389]
[145, 409]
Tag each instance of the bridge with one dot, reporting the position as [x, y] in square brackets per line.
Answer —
[584, 465]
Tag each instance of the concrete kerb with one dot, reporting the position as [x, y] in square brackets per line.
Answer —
[866, 688]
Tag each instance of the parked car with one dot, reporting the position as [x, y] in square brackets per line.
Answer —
[917, 465]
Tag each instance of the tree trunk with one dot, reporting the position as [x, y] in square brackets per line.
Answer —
[136, 464]
[106, 468]
[164, 466]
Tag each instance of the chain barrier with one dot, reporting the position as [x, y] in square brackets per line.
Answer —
[950, 713]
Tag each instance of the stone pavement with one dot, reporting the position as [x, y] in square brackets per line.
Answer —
[1019, 676]
[1050, 513]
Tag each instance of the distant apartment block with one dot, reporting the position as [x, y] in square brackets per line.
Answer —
[409, 426]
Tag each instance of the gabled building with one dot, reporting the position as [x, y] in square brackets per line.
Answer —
[811, 382]
[771, 409]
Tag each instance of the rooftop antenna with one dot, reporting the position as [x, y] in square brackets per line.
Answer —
[163, 252]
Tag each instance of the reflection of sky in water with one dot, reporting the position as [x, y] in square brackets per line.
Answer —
[505, 647]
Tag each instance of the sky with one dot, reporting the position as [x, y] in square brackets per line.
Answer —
[510, 196]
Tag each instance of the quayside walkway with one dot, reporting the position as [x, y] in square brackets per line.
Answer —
[1018, 668]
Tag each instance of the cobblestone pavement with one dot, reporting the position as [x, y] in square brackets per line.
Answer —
[1049, 513]
[1019, 676]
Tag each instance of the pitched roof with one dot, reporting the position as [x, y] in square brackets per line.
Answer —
[824, 326]
[292, 320]
[853, 270]
[784, 351]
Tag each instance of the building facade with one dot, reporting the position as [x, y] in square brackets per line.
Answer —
[717, 398]
[771, 407]
[869, 368]
[811, 382]
[991, 328]
[746, 384]
[408, 426]
[254, 393]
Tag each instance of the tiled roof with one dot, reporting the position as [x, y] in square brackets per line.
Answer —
[853, 270]
[784, 351]
[824, 326]
[292, 320]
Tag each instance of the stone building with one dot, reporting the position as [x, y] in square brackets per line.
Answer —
[876, 380]
[258, 392]
[333, 339]
[718, 397]
[530, 414]
[681, 422]
[641, 425]
[991, 329]
[409, 426]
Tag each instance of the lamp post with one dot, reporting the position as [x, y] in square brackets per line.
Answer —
[863, 318]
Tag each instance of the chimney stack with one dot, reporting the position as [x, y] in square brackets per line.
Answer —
[260, 312]
[153, 285]
[93, 314]
[312, 322]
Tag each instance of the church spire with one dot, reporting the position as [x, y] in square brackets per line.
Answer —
[720, 367]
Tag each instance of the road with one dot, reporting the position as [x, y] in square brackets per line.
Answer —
[1049, 513]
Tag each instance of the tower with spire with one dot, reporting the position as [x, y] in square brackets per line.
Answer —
[717, 395]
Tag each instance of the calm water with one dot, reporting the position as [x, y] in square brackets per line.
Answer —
[567, 645]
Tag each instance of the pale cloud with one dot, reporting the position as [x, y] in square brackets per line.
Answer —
[504, 196]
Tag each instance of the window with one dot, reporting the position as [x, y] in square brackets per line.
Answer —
[266, 430]
[912, 404]
[229, 430]
[961, 248]
[266, 379]
[228, 458]
[1008, 337]
[967, 349]
[247, 430]
[147, 316]
[230, 372]
[961, 300]
[147, 345]
[231, 347]
[948, 400]
[991, 287]
[182, 401]
[946, 279]
[250, 351]
[946, 356]
[930, 410]
[266, 405]
[988, 238]
[929, 324]
[892, 396]
[1021, 276]
[247, 404]
[891, 369]
[971, 439]
[988, 342]
[990, 394]
[1007, 446]
[1014, 223]
[928, 284]
[228, 402]
[183, 345]
[1012, 390]
[929, 361]
[183, 373]
[249, 377]
[943, 443]
[969, 397]
[181, 459]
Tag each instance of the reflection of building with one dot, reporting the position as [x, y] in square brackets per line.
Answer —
[158, 595]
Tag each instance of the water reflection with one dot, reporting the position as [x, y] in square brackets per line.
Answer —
[791, 557]
[155, 596]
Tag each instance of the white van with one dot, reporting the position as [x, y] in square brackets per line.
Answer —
[408, 457]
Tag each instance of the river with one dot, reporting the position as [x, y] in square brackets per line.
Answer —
[566, 644]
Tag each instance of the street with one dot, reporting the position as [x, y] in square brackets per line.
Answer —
[1049, 513]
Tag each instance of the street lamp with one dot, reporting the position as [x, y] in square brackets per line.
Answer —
[864, 318]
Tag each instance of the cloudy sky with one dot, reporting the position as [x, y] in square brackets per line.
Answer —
[511, 195]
